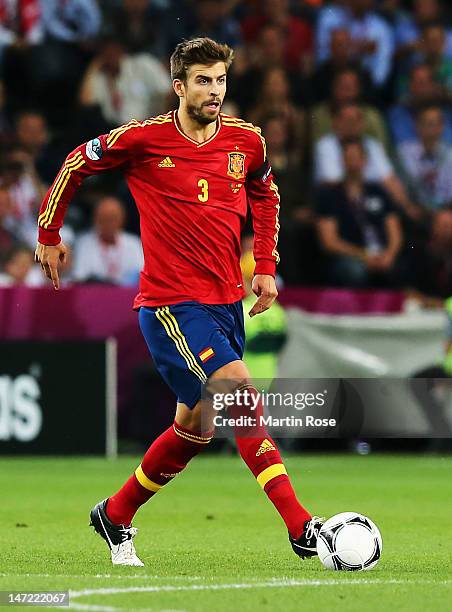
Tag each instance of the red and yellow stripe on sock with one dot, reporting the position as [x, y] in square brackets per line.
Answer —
[146, 482]
[270, 472]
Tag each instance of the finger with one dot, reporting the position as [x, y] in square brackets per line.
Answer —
[257, 309]
[46, 269]
[263, 303]
[54, 276]
[254, 311]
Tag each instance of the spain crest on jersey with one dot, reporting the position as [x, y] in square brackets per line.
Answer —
[236, 165]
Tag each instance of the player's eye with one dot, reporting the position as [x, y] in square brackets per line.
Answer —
[221, 80]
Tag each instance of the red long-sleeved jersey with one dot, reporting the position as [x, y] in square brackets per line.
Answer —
[192, 199]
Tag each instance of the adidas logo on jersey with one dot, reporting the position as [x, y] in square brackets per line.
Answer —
[264, 447]
[167, 163]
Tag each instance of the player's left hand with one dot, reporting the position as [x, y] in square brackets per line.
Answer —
[264, 287]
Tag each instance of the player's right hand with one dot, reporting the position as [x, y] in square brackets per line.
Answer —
[50, 257]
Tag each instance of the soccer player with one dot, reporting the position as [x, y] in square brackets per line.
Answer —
[191, 172]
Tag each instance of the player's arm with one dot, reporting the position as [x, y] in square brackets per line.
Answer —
[106, 152]
[263, 199]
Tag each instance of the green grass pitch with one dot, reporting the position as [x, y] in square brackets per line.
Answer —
[212, 541]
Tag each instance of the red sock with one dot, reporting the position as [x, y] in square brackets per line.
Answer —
[165, 458]
[261, 455]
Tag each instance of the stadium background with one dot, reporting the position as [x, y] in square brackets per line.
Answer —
[73, 69]
[312, 76]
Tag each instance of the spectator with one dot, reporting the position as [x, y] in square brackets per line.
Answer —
[275, 99]
[408, 27]
[331, 17]
[433, 50]
[5, 123]
[346, 89]
[20, 23]
[138, 26]
[125, 87]
[16, 266]
[297, 36]
[71, 21]
[19, 177]
[348, 122]
[31, 132]
[246, 78]
[33, 137]
[358, 227]
[210, 18]
[7, 238]
[422, 90]
[339, 59]
[297, 244]
[427, 161]
[51, 76]
[432, 258]
[59, 61]
[20, 31]
[284, 162]
[372, 39]
[107, 253]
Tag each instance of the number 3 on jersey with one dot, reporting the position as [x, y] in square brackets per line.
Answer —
[204, 186]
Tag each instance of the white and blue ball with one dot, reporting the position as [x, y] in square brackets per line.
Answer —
[349, 541]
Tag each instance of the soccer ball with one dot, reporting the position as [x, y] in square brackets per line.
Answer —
[349, 541]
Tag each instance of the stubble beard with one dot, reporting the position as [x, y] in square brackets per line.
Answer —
[195, 113]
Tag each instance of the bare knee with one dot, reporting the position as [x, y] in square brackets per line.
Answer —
[226, 379]
[199, 418]
[233, 371]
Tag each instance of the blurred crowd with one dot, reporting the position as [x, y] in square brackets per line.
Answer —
[353, 97]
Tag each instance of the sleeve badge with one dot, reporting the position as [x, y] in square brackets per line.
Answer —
[94, 149]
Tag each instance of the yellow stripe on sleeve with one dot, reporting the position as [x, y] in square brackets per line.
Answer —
[275, 253]
[116, 133]
[73, 161]
[271, 472]
[57, 196]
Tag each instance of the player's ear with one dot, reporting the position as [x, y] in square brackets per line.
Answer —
[179, 88]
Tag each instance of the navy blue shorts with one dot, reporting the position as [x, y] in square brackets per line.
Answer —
[190, 341]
